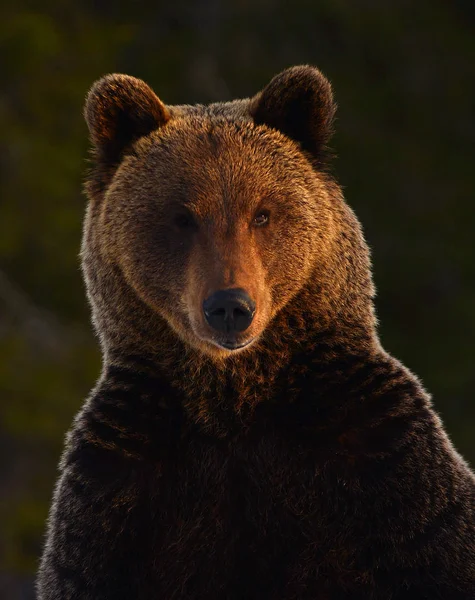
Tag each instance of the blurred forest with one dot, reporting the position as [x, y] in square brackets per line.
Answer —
[403, 75]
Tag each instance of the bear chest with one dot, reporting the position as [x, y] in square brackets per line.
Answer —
[255, 519]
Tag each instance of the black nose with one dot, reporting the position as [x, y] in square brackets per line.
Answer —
[229, 311]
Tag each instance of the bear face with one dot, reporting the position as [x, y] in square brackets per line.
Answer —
[215, 218]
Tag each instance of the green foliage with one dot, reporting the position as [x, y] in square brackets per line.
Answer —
[403, 76]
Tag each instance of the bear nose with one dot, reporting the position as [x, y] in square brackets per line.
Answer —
[229, 311]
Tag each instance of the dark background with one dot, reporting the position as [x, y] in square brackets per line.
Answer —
[403, 74]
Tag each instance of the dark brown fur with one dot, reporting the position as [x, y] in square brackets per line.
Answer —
[310, 464]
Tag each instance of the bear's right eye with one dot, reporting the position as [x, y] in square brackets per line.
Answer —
[184, 221]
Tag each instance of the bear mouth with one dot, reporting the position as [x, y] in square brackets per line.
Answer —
[233, 345]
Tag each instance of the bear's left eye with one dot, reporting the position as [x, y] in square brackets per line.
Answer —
[261, 218]
[184, 221]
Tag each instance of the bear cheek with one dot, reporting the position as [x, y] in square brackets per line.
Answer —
[290, 261]
[154, 264]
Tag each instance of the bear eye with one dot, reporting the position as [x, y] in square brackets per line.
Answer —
[184, 221]
[261, 218]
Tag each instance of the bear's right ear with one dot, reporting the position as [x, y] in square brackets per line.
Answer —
[119, 110]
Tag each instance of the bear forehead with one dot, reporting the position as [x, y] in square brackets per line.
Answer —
[197, 156]
[221, 138]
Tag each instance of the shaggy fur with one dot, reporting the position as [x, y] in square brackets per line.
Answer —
[308, 465]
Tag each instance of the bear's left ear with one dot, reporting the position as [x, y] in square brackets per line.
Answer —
[119, 110]
[299, 103]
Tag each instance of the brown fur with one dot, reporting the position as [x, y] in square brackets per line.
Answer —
[310, 463]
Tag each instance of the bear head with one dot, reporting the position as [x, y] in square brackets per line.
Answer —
[218, 228]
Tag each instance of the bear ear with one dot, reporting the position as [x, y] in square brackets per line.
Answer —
[299, 103]
[119, 110]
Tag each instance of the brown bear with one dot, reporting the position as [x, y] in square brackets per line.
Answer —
[249, 438]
